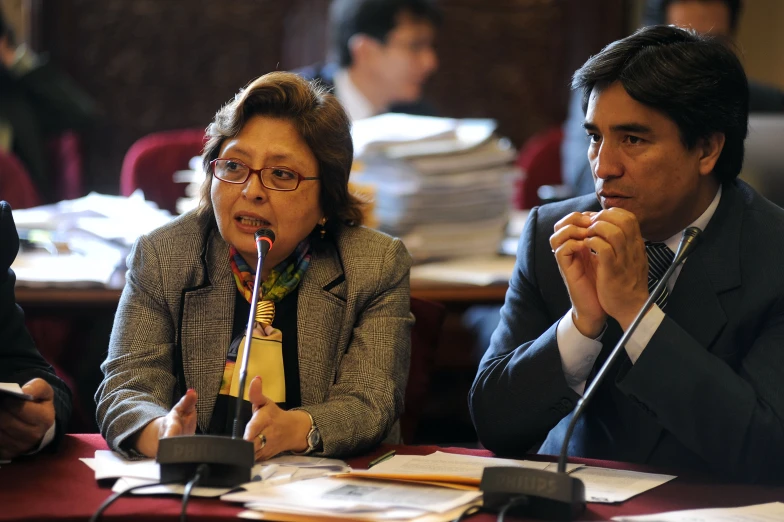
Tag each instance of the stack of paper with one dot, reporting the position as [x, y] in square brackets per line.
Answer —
[194, 177]
[442, 185]
[82, 242]
[270, 473]
[349, 499]
[465, 472]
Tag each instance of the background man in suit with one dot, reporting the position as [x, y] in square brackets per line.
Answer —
[385, 52]
[713, 17]
[699, 384]
[25, 426]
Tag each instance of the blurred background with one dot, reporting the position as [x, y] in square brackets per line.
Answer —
[153, 65]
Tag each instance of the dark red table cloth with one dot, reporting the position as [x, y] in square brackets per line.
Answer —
[59, 487]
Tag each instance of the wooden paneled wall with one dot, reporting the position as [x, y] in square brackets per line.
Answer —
[155, 65]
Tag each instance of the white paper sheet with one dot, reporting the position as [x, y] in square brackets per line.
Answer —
[165, 489]
[14, 390]
[771, 512]
[608, 486]
[273, 472]
[341, 495]
[445, 464]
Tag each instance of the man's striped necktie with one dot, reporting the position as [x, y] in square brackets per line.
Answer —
[659, 260]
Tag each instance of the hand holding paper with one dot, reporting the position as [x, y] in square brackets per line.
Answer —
[23, 423]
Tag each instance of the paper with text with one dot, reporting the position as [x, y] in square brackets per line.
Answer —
[608, 486]
[439, 467]
[339, 495]
[771, 512]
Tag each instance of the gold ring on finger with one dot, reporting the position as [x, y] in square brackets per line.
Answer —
[262, 439]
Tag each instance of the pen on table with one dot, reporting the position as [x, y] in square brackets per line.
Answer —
[386, 456]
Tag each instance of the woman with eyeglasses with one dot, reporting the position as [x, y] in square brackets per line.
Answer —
[329, 359]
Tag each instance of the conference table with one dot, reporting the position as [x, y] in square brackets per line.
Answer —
[58, 487]
[98, 297]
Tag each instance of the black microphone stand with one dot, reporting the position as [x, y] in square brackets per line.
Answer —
[229, 460]
[558, 496]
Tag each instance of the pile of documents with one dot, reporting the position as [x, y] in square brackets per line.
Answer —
[280, 470]
[193, 177]
[602, 485]
[442, 185]
[436, 487]
[82, 242]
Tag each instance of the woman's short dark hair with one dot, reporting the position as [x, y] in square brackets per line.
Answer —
[320, 120]
[696, 81]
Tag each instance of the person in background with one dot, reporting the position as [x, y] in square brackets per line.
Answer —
[36, 102]
[385, 55]
[712, 17]
[335, 295]
[25, 426]
[698, 385]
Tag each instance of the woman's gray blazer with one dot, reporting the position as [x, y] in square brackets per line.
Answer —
[353, 333]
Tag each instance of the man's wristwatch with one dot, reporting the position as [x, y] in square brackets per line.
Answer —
[313, 438]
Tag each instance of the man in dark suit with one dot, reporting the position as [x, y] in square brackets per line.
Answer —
[385, 55]
[699, 384]
[25, 426]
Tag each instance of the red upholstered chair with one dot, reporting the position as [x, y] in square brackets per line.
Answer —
[540, 160]
[424, 340]
[16, 187]
[150, 163]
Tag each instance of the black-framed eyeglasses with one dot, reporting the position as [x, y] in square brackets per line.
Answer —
[274, 178]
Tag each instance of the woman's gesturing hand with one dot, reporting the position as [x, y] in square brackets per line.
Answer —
[271, 429]
[181, 420]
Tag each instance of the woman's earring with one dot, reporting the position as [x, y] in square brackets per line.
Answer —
[322, 224]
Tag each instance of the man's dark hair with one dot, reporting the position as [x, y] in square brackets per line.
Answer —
[656, 11]
[696, 81]
[375, 18]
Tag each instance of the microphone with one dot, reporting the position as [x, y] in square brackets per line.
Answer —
[264, 239]
[229, 459]
[558, 496]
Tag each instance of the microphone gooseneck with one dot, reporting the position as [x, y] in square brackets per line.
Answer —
[217, 460]
[560, 496]
[689, 241]
[264, 239]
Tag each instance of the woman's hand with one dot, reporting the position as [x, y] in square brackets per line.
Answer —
[181, 420]
[282, 430]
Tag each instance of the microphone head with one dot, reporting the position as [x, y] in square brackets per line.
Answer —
[264, 240]
[689, 240]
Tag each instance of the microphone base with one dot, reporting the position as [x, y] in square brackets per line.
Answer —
[548, 495]
[230, 460]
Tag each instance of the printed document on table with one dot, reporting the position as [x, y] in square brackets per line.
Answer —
[439, 468]
[391, 515]
[771, 512]
[347, 496]
[608, 486]
[165, 489]
[108, 464]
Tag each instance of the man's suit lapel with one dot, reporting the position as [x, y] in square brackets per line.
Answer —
[713, 268]
[321, 328]
[207, 317]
